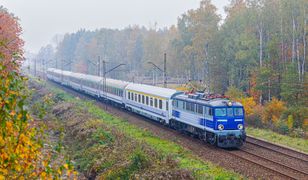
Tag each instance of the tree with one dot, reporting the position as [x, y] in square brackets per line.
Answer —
[21, 155]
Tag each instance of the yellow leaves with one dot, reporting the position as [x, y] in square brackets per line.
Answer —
[290, 121]
[249, 105]
[65, 166]
[18, 168]
[21, 138]
[3, 171]
[24, 139]
[2, 142]
[43, 175]
[9, 127]
[273, 111]
[2, 177]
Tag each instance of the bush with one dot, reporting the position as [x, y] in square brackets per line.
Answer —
[298, 114]
[272, 112]
[249, 105]
[254, 119]
[290, 122]
[298, 132]
[283, 128]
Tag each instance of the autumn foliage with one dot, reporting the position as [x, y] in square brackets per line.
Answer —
[21, 155]
[273, 111]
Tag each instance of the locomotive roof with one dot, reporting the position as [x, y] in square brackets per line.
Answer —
[153, 90]
[213, 102]
[109, 82]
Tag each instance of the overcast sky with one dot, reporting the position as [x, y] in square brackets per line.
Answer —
[42, 19]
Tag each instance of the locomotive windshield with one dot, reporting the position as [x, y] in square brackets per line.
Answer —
[229, 112]
[220, 111]
[238, 112]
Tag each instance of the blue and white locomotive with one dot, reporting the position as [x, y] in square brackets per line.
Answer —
[216, 120]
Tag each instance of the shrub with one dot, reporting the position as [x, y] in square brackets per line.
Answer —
[249, 105]
[283, 128]
[298, 132]
[290, 122]
[273, 111]
[254, 119]
[298, 114]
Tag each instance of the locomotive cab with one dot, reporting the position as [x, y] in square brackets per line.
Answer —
[229, 125]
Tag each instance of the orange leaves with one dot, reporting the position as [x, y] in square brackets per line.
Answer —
[249, 104]
[273, 110]
[21, 155]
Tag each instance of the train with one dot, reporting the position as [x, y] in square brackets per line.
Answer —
[212, 118]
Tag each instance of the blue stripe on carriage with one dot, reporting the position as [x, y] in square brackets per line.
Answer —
[209, 124]
[176, 113]
[205, 122]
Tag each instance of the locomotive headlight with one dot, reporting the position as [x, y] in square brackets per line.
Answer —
[229, 103]
[221, 127]
[240, 126]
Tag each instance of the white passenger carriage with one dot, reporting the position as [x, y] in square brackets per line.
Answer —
[150, 101]
[92, 85]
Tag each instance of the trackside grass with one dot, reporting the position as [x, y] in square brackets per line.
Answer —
[184, 158]
[296, 143]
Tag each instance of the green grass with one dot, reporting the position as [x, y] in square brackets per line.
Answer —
[185, 158]
[296, 143]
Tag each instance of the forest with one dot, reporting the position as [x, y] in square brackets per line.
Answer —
[257, 53]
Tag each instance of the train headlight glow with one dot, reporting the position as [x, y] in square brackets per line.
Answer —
[240, 126]
[221, 127]
[229, 103]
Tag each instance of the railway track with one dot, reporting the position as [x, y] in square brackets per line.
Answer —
[283, 160]
[257, 159]
[301, 156]
[284, 170]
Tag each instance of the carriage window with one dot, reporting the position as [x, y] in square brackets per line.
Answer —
[187, 106]
[192, 107]
[160, 104]
[147, 100]
[180, 104]
[151, 101]
[155, 102]
[139, 98]
[230, 112]
[220, 112]
[238, 112]
[136, 97]
[200, 109]
[142, 99]
[211, 111]
[132, 96]
[167, 105]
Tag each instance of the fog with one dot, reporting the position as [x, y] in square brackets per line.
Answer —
[42, 19]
